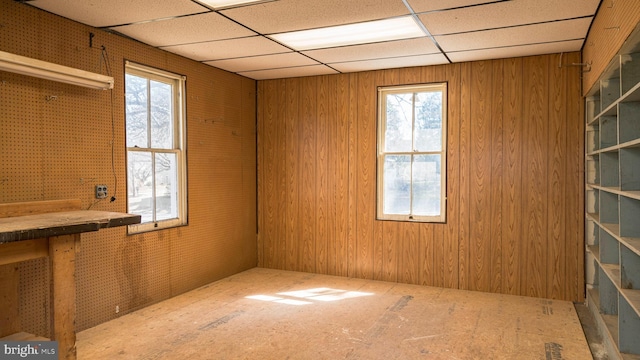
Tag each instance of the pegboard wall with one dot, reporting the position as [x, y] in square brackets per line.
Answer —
[56, 143]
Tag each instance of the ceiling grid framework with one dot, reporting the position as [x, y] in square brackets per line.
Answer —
[250, 38]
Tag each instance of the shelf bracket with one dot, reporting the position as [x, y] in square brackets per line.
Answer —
[586, 66]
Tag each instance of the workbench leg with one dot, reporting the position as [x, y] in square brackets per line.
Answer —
[62, 254]
[9, 303]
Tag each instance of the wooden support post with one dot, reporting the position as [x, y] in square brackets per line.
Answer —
[62, 250]
[9, 319]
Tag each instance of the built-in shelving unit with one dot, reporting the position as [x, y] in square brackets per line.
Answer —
[612, 201]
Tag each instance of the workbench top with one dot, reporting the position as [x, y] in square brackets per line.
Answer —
[28, 227]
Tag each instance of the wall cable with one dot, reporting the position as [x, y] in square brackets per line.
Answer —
[105, 58]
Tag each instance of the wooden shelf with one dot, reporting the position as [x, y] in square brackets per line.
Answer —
[610, 110]
[612, 148]
[616, 190]
[613, 272]
[614, 229]
[631, 144]
[632, 95]
[633, 297]
[632, 243]
[610, 189]
[630, 356]
[595, 250]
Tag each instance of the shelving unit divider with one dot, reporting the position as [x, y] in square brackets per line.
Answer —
[610, 89]
[629, 121]
[609, 208]
[629, 328]
[630, 168]
[629, 220]
[609, 248]
[629, 269]
[630, 72]
[609, 131]
[593, 169]
[608, 295]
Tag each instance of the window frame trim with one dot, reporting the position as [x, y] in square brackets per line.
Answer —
[380, 143]
[180, 144]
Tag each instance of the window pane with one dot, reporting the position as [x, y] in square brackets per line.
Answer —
[428, 126]
[399, 119]
[140, 178]
[397, 184]
[136, 111]
[426, 185]
[166, 187]
[161, 116]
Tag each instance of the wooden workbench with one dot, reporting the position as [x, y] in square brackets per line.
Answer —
[48, 228]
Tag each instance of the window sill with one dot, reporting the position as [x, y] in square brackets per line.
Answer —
[157, 226]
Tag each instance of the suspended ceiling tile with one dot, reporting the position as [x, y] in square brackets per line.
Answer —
[101, 13]
[431, 5]
[508, 13]
[520, 35]
[516, 51]
[185, 30]
[418, 46]
[275, 61]
[289, 72]
[288, 15]
[228, 49]
[390, 63]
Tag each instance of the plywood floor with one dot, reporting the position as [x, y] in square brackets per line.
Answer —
[272, 314]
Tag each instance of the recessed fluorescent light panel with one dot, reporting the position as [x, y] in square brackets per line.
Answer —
[225, 4]
[351, 34]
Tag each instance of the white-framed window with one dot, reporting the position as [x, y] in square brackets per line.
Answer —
[155, 140]
[412, 148]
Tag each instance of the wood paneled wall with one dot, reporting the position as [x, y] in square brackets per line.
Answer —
[55, 143]
[515, 169]
[612, 25]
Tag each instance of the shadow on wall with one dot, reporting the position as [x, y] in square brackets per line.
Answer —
[131, 268]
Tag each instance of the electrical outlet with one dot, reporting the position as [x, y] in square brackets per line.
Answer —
[101, 191]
